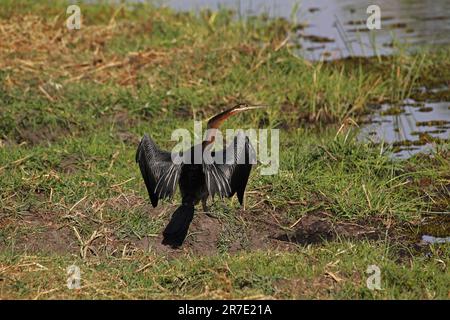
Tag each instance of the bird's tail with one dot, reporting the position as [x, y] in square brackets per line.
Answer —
[177, 229]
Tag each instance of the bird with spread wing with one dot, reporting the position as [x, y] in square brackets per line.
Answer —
[224, 173]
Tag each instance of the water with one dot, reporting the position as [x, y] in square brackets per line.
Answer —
[337, 29]
[411, 127]
[334, 29]
[435, 229]
[434, 240]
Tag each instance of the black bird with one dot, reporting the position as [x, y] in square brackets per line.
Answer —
[197, 181]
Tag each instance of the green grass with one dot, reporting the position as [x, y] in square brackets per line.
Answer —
[73, 106]
[304, 274]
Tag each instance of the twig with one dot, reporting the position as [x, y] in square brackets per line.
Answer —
[122, 183]
[78, 202]
[46, 94]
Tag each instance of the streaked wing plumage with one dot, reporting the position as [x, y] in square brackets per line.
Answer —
[159, 172]
[231, 176]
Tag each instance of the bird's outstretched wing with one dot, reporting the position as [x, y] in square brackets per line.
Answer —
[159, 172]
[230, 176]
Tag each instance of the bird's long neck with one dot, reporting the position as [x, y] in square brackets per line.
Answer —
[214, 124]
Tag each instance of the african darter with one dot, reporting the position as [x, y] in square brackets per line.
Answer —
[197, 180]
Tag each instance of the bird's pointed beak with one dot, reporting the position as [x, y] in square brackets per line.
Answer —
[249, 107]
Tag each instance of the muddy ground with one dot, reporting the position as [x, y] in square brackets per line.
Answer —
[244, 230]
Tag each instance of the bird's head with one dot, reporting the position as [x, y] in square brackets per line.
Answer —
[217, 120]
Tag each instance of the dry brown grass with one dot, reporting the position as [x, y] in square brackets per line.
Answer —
[34, 48]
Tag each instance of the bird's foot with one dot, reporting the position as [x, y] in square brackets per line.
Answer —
[206, 210]
[210, 214]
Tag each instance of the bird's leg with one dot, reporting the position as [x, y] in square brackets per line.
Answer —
[206, 209]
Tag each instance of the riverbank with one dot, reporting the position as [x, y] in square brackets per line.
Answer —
[74, 104]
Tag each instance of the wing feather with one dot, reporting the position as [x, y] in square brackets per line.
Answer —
[231, 176]
[160, 174]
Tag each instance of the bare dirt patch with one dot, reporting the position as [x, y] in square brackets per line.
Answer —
[210, 235]
[318, 227]
[243, 230]
[35, 136]
[38, 232]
